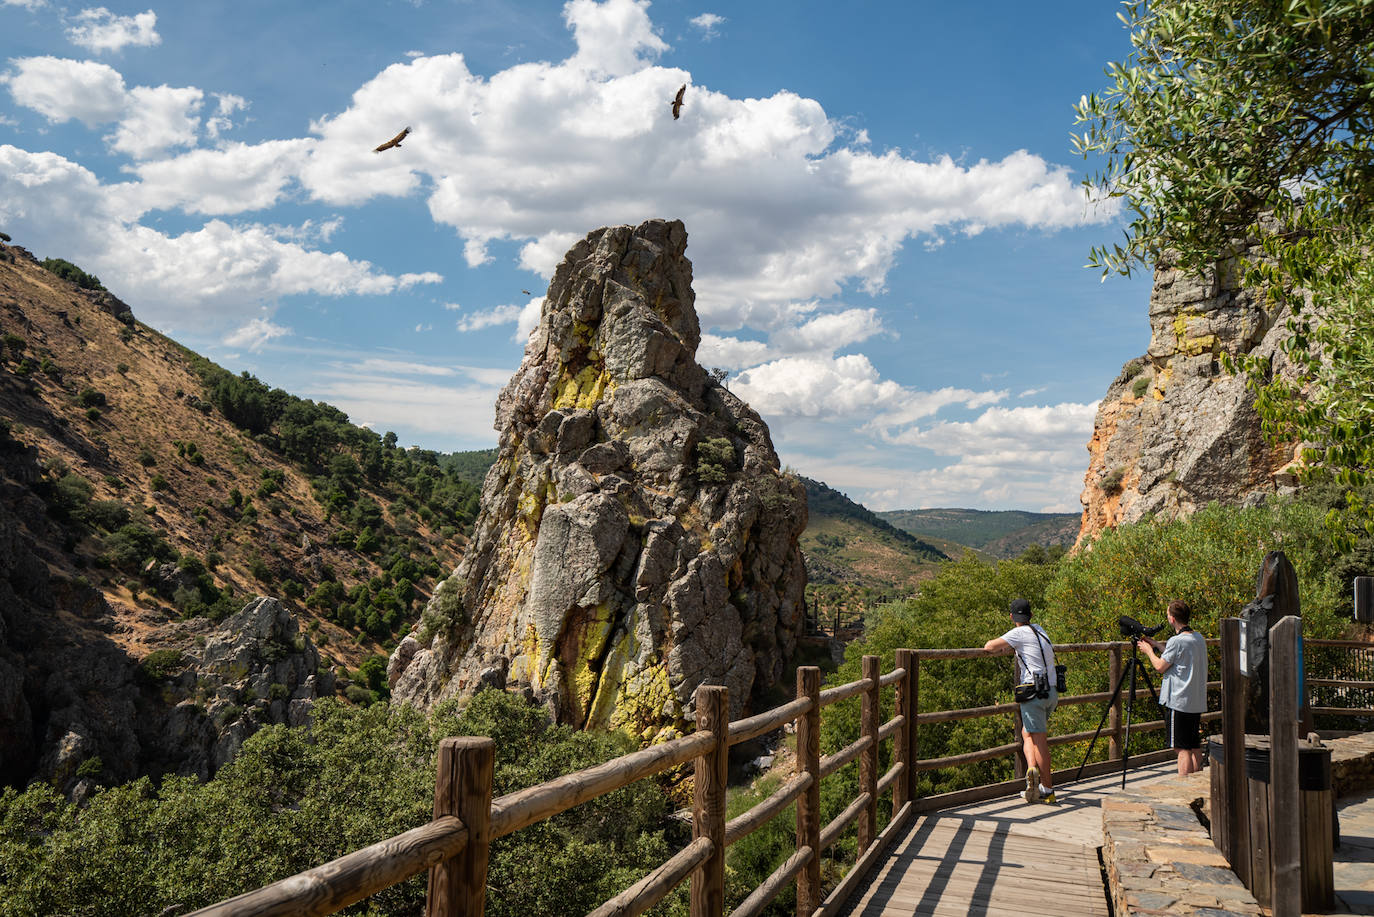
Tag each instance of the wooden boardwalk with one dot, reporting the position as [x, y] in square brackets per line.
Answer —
[1002, 858]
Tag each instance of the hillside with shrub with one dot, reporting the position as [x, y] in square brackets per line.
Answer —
[855, 560]
[996, 533]
[152, 493]
[294, 798]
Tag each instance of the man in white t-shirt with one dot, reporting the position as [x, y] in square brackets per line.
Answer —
[1183, 689]
[1034, 655]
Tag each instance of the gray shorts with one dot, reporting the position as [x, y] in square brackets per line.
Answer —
[1035, 714]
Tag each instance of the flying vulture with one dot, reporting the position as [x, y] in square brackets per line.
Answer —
[527, 292]
[394, 141]
[677, 102]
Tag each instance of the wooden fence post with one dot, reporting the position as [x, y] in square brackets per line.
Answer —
[901, 746]
[708, 803]
[809, 803]
[869, 718]
[1233, 746]
[462, 787]
[1283, 766]
[1019, 764]
[1114, 717]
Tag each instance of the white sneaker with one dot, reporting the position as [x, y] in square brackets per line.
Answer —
[1032, 792]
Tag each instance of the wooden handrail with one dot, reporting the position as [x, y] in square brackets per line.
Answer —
[454, 844]
[846, 755]
[748, 822]
[654, 887]
[754, 726]
[351, 878]
[517, 810]
[791, 868]
[843, 692]
[831, 832]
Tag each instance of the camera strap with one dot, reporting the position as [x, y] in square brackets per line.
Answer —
[1025, 669]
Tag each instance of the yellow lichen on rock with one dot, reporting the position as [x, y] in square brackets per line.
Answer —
[585, 390]
[595, 633]
[1207, 343]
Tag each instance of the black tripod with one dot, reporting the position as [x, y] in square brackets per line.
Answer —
[1130, 670]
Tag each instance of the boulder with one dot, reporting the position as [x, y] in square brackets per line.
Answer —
[636, 537]
[1174, 431]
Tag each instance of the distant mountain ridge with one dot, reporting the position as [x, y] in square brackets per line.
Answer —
[826, 501]
[998, 533]
[855, 560]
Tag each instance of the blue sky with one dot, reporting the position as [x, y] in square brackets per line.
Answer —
[884, 215]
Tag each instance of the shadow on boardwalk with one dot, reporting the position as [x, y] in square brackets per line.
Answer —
[1002, 858]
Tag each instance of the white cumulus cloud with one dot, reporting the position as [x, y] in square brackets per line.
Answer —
[156, 118]
[256, 333]
[62, 90]
[778, 207]
[97, 29]
[147, 119]
[213, 274]
[498, 315]
[709, 24]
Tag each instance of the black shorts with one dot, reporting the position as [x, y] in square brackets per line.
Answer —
[1182, 730]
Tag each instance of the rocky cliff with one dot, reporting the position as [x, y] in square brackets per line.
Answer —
[1174, 431]
[138, 523]
[636, 537]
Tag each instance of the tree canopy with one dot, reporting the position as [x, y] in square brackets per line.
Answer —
[1238, 123]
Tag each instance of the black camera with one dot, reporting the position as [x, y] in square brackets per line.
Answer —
[1133, 630]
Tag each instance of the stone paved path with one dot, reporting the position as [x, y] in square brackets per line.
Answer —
[1354, 859]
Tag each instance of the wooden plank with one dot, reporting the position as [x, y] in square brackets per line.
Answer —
[869, 717]
[809, 803]
[708, 800]
[351, 878]
[901, 747]
[1114, 716]
[837, 898]
[953, 863]
[913, 752]
[462, 788]
[1283, 766]
[651, 889]
[517, 810]
[748, 822]
[767, 721]
[1237, 808]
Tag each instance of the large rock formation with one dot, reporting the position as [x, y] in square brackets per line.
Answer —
[1175, 431]
[636, 538]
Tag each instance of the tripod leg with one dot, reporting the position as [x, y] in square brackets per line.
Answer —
[1116, 692]
[1130, 705]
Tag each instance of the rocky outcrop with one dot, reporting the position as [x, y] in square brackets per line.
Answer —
[636, 537]
[76, 708]
[1175, 431]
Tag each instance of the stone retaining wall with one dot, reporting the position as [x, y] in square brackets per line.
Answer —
[1160, 859]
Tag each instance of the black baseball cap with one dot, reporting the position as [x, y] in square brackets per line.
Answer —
[1020, 611]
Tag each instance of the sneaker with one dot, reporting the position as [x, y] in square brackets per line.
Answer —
[1032, 793]
[1048, 798]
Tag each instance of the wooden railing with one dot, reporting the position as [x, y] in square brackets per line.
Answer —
[453, 847]
[1360, 656]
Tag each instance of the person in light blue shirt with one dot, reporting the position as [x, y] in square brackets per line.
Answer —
[1183, 690]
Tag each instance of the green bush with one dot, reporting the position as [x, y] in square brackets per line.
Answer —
[294, 799]
[715, 460]
[159, 665]
[68, 271]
